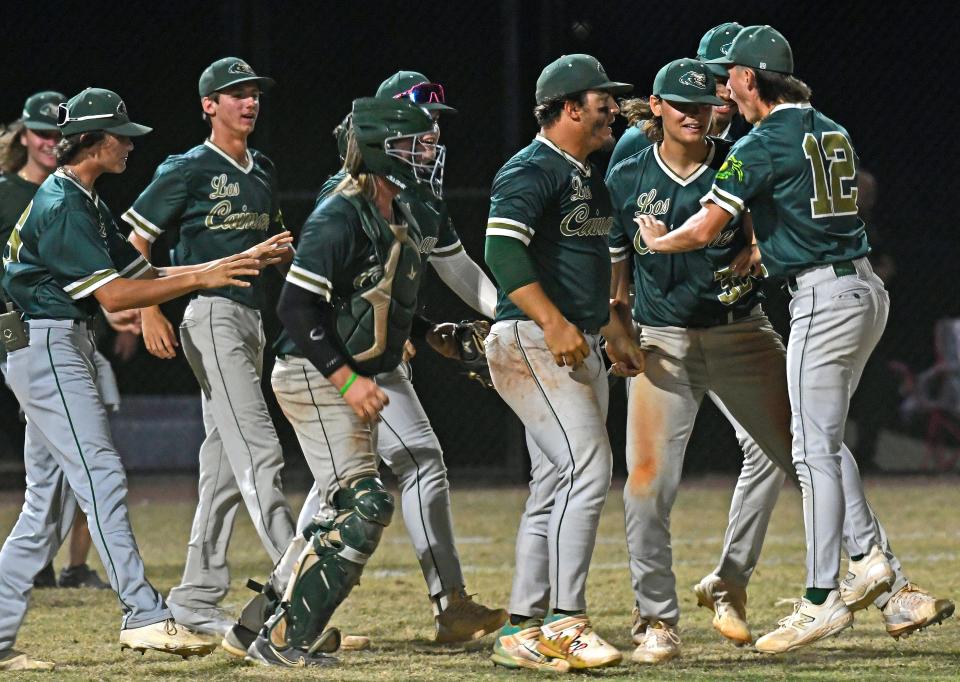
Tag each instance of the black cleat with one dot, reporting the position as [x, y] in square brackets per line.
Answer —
[262, 652]
[46, 577]
[81, 576]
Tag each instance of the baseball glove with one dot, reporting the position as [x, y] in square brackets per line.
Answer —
[463, 342]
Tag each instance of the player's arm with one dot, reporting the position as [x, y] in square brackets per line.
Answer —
[696, 232]
[621, 346]
[465, 278]
[748, 261]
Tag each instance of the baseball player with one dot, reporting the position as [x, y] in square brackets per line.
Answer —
[405, 440]
[347, 305]
[222, 197]
[27, 158]
[65, 259]
[727, 123]
[546, 244]
[796, 173]
[704, 333]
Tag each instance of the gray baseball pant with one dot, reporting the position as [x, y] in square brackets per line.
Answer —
[407, 444]
[240, 459]
[69, 458]
[564, 412]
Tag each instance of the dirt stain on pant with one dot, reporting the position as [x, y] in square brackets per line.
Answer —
[644, 438]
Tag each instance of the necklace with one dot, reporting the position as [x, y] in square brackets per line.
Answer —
[73, 176]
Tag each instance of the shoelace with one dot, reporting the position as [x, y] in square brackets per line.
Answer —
[793, 619]
[911, 596]
[670, 634]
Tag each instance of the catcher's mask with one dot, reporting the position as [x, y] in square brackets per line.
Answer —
[398, 140]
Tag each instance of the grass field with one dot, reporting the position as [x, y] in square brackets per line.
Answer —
[78, 628]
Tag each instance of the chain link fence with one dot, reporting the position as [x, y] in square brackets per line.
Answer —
[871, 66]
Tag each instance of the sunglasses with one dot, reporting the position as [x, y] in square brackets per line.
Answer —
[424, 93]
[63, 114]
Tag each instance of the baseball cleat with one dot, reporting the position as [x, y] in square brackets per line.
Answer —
[912, 609]
[237, 640]
[45, 578]
[354, 643]
[518, 646]
[729, 605]
[81, 576]
[464, 619]
[263, 652]
[210, 620]
[572, 638]
[807, 624]
[656, 642]
[866, 580]
[168, 637]
[12, 659]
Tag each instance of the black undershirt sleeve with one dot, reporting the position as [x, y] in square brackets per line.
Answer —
[308, 319]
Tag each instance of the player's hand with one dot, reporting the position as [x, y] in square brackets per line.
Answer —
[271, 251]
[443, 339]
[364, 397]
[124, 321]
[651, 229]
[158, 334]
[566, 343]
[125, 346]
[747, 262]
[626, 355]
[224, 272]
[409, 351]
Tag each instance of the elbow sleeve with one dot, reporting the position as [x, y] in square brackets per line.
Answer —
[510, 263]
[308, 319]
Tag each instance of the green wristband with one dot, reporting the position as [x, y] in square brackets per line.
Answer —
[346, 386]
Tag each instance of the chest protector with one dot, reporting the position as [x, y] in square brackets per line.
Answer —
[374, 321]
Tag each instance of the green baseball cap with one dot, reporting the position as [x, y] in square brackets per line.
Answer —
[230, 71]
[574, 73]
[430, 96]
[686, 80]
[716, 43]
[759, 47]
[40, 110]
[97, 109]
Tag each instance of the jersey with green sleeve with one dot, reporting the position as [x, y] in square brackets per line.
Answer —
[631, 142]
[693, 289]
[439, 238]
[219, 206]
[797, 174]
[64, 247]
[560, 210]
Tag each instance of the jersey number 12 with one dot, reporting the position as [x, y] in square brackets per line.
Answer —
[829, 197]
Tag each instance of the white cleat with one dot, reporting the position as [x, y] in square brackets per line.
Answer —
[729, 605]
[807, 624]
[866, 580]
[656, 642]
[912, 609]
[167, 637]
[572, 638]
[12, 660]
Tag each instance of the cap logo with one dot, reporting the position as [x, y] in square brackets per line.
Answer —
[241, 67]
[122, 109]
[763, 65]
[49, 109]
[694, 79]
[725, 49]
[600, 69]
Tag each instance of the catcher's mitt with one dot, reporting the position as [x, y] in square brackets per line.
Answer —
[463, 342]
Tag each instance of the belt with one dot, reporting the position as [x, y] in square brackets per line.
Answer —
[729, 317]
[822, 273]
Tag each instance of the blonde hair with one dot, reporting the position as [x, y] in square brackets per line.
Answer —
[355, 182]
[13, 155]
[638, 113]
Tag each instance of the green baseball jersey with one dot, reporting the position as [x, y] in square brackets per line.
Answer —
[438, 238]
[335, 257]
[64, 247]
[797, 173]
[631, 142]
[560, 210]
[15, 195]
[693, 289]
[220, 207]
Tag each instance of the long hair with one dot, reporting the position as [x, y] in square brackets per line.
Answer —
[775, 87]
[356, 182]
[68, 148]
[13, 155]
[638, 113]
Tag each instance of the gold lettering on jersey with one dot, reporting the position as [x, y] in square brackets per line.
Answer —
[581, 192]
[426, 245]
[648, 204]
[722, 239]
[578, 223]
[242, 220]
[222, 188]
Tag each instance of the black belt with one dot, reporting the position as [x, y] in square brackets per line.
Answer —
[728, 317]
[841, 269]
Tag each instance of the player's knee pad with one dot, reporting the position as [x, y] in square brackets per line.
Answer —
[331, 564]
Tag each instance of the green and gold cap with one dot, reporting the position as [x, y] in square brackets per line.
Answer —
[716, 43]
[403, 85]
[230, 71]
[40, 110]
[686, 80]
[574, 73]
[97, 109]
[759, 47]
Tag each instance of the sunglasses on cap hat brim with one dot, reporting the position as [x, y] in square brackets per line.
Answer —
[426, 94]
[127, 128]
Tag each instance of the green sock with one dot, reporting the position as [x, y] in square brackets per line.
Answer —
[858, 557]
[816, 595]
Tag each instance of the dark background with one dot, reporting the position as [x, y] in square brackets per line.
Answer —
[887, 72]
